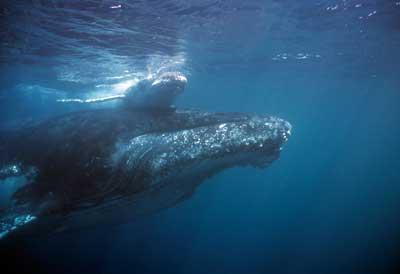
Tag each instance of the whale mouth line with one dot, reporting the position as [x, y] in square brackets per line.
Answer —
[255, 159]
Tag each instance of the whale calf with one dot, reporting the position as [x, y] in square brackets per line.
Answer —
[157, 92]
[106, 166]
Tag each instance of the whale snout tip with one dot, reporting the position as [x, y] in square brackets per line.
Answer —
[174, 76]
[177, 77]
[286, 130]
[173, 79]
[181, 78]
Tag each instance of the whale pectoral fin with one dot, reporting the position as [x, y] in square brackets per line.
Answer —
[11, 224]
[14, 213]
[93, 100]
[20, 217]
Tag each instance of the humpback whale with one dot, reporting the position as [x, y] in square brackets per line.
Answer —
[154, 92]
[105, 166]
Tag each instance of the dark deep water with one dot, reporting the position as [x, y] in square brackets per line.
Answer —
[330, 204]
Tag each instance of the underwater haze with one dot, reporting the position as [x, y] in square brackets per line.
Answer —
[329, 205]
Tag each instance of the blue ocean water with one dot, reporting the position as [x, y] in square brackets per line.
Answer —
[331, 68]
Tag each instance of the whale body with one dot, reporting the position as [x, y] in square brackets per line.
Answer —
[106, 166]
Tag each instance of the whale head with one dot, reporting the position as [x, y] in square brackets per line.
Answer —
[158, 92]
[198, 145]
[169, 82]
